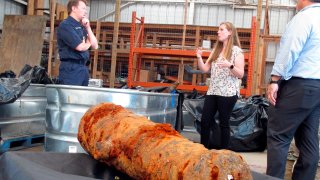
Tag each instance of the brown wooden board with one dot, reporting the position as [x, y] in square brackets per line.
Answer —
[22, 41]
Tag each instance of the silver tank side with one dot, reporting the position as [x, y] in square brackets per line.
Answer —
[67, 104]
[25, 116]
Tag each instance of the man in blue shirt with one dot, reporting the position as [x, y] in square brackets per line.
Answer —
[75, 37]
[294, 91]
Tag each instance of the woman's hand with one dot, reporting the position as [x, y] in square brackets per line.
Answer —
[223, 63]
[199, 52]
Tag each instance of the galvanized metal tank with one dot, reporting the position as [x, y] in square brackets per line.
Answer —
[25, 116]
[67, 105]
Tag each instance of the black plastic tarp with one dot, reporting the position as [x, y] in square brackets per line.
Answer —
[63, 166]
[53, 166]
[248, 123]
[12, 88]
[38, 76]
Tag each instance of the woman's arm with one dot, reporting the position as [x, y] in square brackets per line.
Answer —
[238, 68]
[204, 67]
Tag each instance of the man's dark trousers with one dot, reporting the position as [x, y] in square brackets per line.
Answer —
[296, 114]
[71, 73]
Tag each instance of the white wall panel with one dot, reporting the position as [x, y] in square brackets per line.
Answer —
[240, 18]
[247, 17]
[128, 18]
[179, 14]
[209, 16]
[206, 13]
[46, 3]
[275, 2]
[230, 14]
[18, 8]
[10, 7]
[221, 15]
[163, 16]
[279, 19]
[154, 12]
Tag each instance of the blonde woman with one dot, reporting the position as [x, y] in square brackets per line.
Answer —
[226, 63]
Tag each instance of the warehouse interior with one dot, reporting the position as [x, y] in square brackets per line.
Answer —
[147, 46]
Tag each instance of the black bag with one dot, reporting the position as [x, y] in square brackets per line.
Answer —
[12, 88]
[248, 123]
[8, 74]
[38, 76]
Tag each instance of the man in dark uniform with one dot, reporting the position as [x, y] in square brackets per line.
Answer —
[75, 37]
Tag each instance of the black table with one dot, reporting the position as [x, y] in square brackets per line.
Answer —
[23, 165]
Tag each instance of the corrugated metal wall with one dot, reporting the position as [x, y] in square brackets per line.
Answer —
[10, 7]
[212, 15]
[18, 7]
[46, 2]
[206, 13]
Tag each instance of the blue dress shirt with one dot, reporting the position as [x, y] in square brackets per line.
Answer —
[299, 51]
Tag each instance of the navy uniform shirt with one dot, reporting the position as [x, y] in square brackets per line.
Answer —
[69, 35]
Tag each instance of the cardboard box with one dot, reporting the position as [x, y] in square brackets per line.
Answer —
[145, 76]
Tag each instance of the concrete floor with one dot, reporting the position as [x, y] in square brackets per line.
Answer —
[256, 160]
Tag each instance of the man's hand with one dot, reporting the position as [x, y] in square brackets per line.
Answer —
[272, 93]
[85, 22]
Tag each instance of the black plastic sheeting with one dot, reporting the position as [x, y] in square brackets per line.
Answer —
[53, 166]
[8, 74]
[63, 166]
[179, 117]
[248, 123]
[38, 76]
[12, 88]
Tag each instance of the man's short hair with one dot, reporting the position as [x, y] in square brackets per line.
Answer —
[72, 3]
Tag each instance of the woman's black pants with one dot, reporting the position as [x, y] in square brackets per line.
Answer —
[224, 106]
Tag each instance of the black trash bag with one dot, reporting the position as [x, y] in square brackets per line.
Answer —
[248, 123]
[193, 95]
[39, 75]
[12, 88]
[8, 74]
[179, 117]
[194, 107]
[25, 69]
[153, 89]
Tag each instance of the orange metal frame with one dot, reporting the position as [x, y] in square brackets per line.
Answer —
[137, 50]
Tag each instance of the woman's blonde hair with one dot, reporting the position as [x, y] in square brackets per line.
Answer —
[232, 41]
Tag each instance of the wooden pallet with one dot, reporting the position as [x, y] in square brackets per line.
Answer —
[21, 142]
